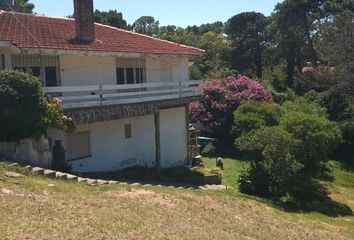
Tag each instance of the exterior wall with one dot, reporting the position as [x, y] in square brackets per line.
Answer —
[173, 137]
[109, 148]
[166, 70]
[85, 70]
[7, 53]
[111, 151]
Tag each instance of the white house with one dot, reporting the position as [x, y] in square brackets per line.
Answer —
[127, 93]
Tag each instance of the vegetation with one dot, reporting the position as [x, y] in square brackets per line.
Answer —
[26, 111]
[37, 207]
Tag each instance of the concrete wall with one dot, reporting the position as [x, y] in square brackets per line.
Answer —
[166, 70]
[173, 137]
[111, 151]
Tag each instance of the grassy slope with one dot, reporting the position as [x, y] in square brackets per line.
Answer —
[75, 211]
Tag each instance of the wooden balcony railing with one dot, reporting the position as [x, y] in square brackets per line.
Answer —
[104, 95]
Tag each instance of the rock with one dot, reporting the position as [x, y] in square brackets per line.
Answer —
[6, 191]
[102, 182]
[38, 170]
[13, 174]
[135, 184]
[79, 179]
[113, 182]
[92, 181]
[51, 185]
[49, 173]
[60, 175]
[71, 177]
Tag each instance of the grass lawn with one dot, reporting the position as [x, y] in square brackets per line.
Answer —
[34, 207]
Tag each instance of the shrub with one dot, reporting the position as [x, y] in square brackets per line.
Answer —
[253, 115]
[314, 138]
[272, 166]
[221, 97]
[25, 110]
[23, 103]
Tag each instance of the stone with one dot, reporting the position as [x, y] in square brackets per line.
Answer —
[38, 170]
[79, 179]
[51, 185]
[113, 182]
[60, 175]
[6, 191]
[135, 184]
[123, 183]
[49, 173]
[92, 181]
[102, 182]
[14, 164]
[13, 175]
[71, 177]
[147, 185]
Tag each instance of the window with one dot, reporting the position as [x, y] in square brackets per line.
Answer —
[2, 59]
[46, 67]
[20, 69]
[78, 146]
[51, 76]
[130, 71]
[128, 131]
[120, 75]
[35, 71]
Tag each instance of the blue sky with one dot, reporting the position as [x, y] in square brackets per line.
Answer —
[168, 12]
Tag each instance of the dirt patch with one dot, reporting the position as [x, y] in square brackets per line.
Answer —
[145, 197]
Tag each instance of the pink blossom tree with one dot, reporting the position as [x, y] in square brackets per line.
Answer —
[221, 98]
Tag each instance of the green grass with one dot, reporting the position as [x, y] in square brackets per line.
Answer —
[69, 210]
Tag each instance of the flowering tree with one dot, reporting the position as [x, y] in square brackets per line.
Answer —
[221, 98]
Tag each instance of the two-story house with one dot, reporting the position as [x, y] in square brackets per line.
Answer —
[127, 93]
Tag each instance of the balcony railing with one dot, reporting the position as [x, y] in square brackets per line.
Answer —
[104, 95]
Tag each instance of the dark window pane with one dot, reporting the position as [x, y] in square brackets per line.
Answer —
[51, 76]
[120, 75]
[138, 75]
[128, 131]
[142, 74]
[130, 75]
[20, 69]
[35, 71]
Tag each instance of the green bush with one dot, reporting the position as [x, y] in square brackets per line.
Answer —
[253, 115]
[22, 105]
[272, 165]
[287, 145]
[314, 137]
[25, 110]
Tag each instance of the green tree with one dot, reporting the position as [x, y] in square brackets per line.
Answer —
[146, 25]
[24, 5]
[112, 18]
[248, 32]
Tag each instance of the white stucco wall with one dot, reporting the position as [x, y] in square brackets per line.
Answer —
[7, 54]
[173, 137]
[111, 151]
[85, 70]
[166, 69]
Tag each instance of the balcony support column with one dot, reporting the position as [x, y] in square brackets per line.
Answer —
[157, 139]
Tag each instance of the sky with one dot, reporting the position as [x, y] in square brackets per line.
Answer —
[168, 12]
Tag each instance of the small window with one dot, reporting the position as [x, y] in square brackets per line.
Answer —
[2, 62]
[128, 131]
[35, 71]
[20, 69]
[51, 76]
[78, 146]
[130, 75]
[120, 75]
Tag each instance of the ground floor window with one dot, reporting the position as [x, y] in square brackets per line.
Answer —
[78, 146]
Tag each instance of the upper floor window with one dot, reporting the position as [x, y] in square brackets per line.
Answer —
[45, 67]
[130, 71]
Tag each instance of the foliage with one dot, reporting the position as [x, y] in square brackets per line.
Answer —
[221, 97]
[248, 32]
[295, 138]
[22, 105]
[253, 115]
[25, 110]
[111, 18]
[146, 25]
[24, 5]
[272, 166]
[275, 76]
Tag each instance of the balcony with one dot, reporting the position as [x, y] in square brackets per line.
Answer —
[74, 97]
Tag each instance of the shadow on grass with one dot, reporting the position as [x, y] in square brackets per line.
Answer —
[326, 206]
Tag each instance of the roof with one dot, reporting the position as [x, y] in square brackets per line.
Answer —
[38, 31]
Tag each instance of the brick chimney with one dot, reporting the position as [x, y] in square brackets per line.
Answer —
[85, 26]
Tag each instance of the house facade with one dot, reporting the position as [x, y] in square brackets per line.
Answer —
[127, 93]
